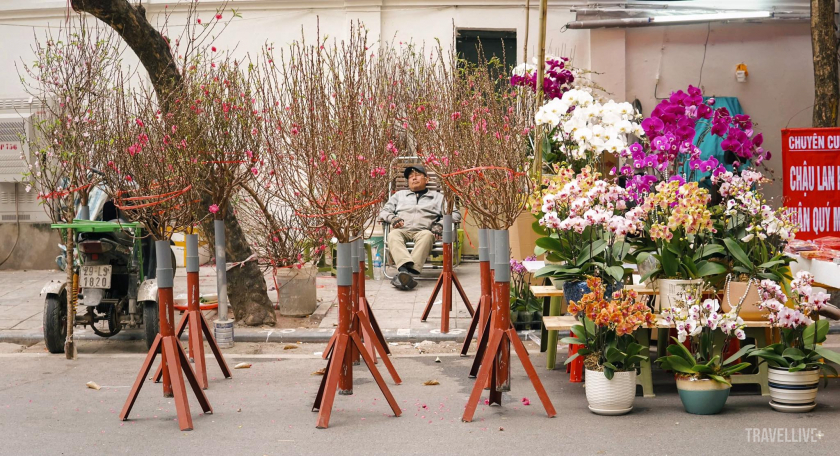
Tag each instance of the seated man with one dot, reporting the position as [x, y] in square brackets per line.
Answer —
[414, 215]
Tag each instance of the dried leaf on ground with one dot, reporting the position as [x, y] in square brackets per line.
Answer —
[431, 382]
[321, 371]
[290, 347]
[242, 366]
[92, 385]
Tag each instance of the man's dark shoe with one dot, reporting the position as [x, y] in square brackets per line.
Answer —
[396, 283]
[409, 270]
[406, 280]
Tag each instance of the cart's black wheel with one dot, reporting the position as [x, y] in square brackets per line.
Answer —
[151, 321]
[55, 322]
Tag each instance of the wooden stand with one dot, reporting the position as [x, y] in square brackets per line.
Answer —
[197, 323]
[364, 308]
[500, 337]
[485, 303]
[445, 281]
[339, 373]
[173, 359]
[361, 305]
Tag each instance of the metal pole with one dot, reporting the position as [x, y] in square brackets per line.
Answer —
[540, 78]
[527, 29]
[223, 328]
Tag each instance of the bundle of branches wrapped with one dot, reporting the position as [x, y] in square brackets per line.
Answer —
[276, 234]
[69, 81]
[473, 129]
[150, 167]
[333, 109]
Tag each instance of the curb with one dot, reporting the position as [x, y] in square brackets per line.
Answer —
[287, 335]
[258, 336]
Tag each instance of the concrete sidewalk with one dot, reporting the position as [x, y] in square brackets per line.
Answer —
[397, 312]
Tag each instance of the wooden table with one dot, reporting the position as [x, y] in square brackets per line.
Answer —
[755, 329]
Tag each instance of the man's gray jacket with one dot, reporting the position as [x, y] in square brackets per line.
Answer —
[417, 213]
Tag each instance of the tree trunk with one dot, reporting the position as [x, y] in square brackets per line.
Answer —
[824, 47]
[150, 46]
[69, 343]
[247, 292]
[246, 285]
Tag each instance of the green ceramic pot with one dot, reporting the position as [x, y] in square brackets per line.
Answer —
[702, 397]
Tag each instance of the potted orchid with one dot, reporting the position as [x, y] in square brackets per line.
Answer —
[754, 236]
[584, 225]
[702, 377]
[678, 232]
[525, 308]
[559, 77]
[796, 361]
[676, 244]
[668, 148]
[582, 129]
[611, 354]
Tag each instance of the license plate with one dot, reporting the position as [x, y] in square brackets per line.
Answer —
[95, 277]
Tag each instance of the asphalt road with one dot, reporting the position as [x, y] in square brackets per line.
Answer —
[45, 408]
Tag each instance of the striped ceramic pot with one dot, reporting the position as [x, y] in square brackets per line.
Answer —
[793, 391]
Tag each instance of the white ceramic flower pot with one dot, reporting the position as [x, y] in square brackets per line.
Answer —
[610, 397]
[669, 290]
[793, 391]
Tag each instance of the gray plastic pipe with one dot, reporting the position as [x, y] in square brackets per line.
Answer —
[502, 247]
[221, 269]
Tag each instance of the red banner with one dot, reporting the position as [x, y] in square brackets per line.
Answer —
[811, 177]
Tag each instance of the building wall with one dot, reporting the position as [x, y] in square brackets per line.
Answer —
[35, 246]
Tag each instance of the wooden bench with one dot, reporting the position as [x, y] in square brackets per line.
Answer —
[755, 329]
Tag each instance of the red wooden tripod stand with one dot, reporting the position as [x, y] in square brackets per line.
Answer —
[196, 322]
[339, 373]
[495, 361]
[361, 305]
[445, 281]
[481, 317]
[173, 358]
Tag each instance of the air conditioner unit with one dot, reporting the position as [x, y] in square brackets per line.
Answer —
[14, 129]
[16, 204]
